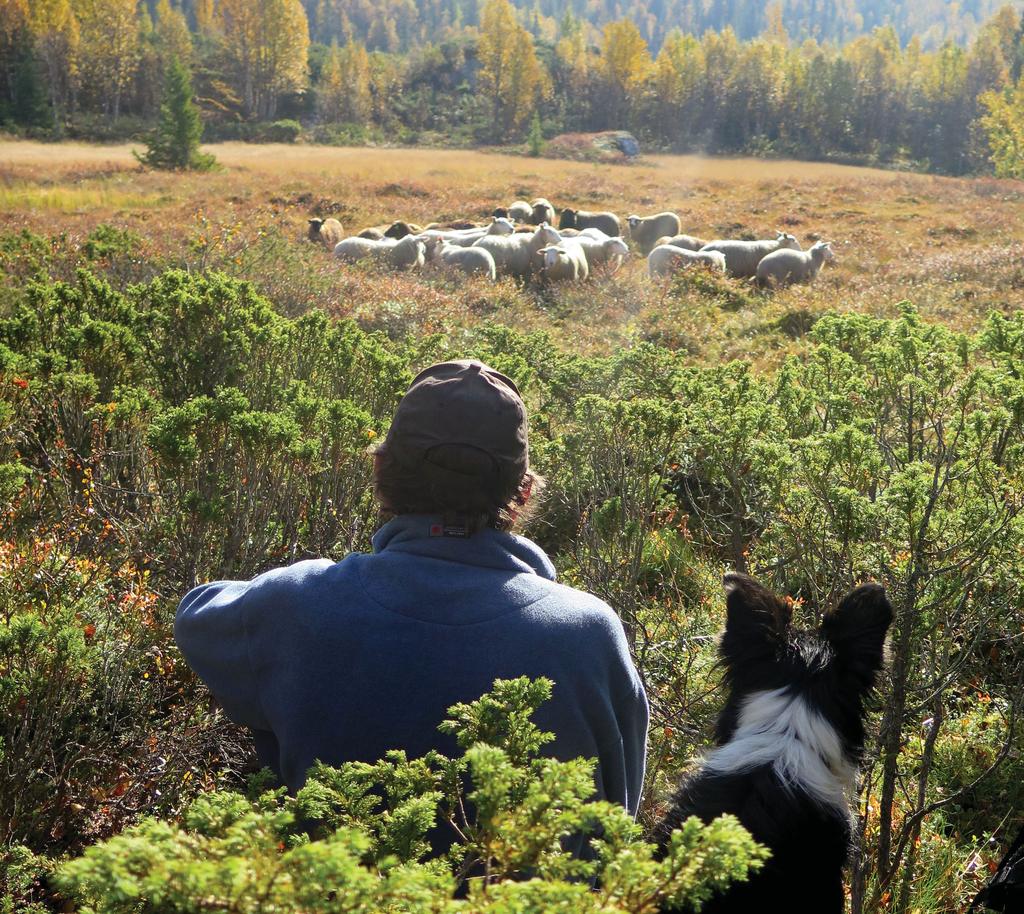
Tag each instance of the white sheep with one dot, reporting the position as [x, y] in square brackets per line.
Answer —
[783, 267]
[350, 250]
[742, 257]
[455, 225]
[471, 260]
[602, 251]
[666, 259]
[646, 230]
[466, 237]
[564, 261]
[520, 211]
[400, 253]
[514, 254]
[682, 241]
[327, 231]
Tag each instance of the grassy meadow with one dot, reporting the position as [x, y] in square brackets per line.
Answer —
[950, 246]
[188, 387]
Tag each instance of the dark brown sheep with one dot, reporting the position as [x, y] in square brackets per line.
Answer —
[581, 219]
[401, 229]
[327, 232]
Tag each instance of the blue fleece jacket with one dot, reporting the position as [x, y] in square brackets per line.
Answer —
[344, 661]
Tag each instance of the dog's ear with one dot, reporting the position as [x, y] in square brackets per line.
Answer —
[753, 611]
[856, 629]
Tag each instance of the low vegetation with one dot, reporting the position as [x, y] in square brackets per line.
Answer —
[187, 390]
[517, 818]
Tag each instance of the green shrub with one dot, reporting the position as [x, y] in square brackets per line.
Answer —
[79, 658]
[23, 879]
[107, 241]
[729, 294]
[510, 812]
[23, 253]
[535, 139]
[286, 131]
[186, 428]
[347, 134]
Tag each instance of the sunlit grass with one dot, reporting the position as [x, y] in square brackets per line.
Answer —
[951, 246]
[65, 199]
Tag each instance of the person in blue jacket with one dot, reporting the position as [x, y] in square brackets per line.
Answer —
[342, 661]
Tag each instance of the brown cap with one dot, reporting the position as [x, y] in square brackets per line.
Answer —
[462, 422]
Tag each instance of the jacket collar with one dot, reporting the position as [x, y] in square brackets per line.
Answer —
[422, 534]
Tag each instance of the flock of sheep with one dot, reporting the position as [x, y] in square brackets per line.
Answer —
[520, 241]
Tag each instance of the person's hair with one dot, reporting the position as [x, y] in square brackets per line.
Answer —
[401, 490]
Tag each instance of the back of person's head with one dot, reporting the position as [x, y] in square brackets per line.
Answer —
[458, 447]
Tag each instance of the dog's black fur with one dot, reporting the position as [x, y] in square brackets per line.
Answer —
[833, 672]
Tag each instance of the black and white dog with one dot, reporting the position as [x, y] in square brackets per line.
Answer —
[789, 741]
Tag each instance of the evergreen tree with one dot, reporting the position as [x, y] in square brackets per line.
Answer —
[175, 141]
[30, 107]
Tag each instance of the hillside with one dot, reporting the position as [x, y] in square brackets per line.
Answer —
[447, 73]
[933, 21]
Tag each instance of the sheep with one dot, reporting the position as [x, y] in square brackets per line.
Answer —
[401, 229]
[400, 253]
[498, 227]
[350, 250]
[464, 238]
[454, 225]
[407, 254]
[327, 231]
[742, 257]
[564, 261]
[603, 251]
[514, 254]
[520, 211]
[540, 212]
[646, 230]
[682, 241]
[470, 260]
[373, 234]
[782, 267]
[666, 259]
[580, 219]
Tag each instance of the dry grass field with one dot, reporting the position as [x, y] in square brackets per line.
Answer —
[954, 247]
[178, 431]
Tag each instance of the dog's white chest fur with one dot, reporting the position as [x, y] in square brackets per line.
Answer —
[779, 729]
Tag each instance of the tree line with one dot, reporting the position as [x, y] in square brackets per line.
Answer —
[96, 68]
[394, 25]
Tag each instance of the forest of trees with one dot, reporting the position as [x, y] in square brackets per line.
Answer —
[399, 25]
[454, 71]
